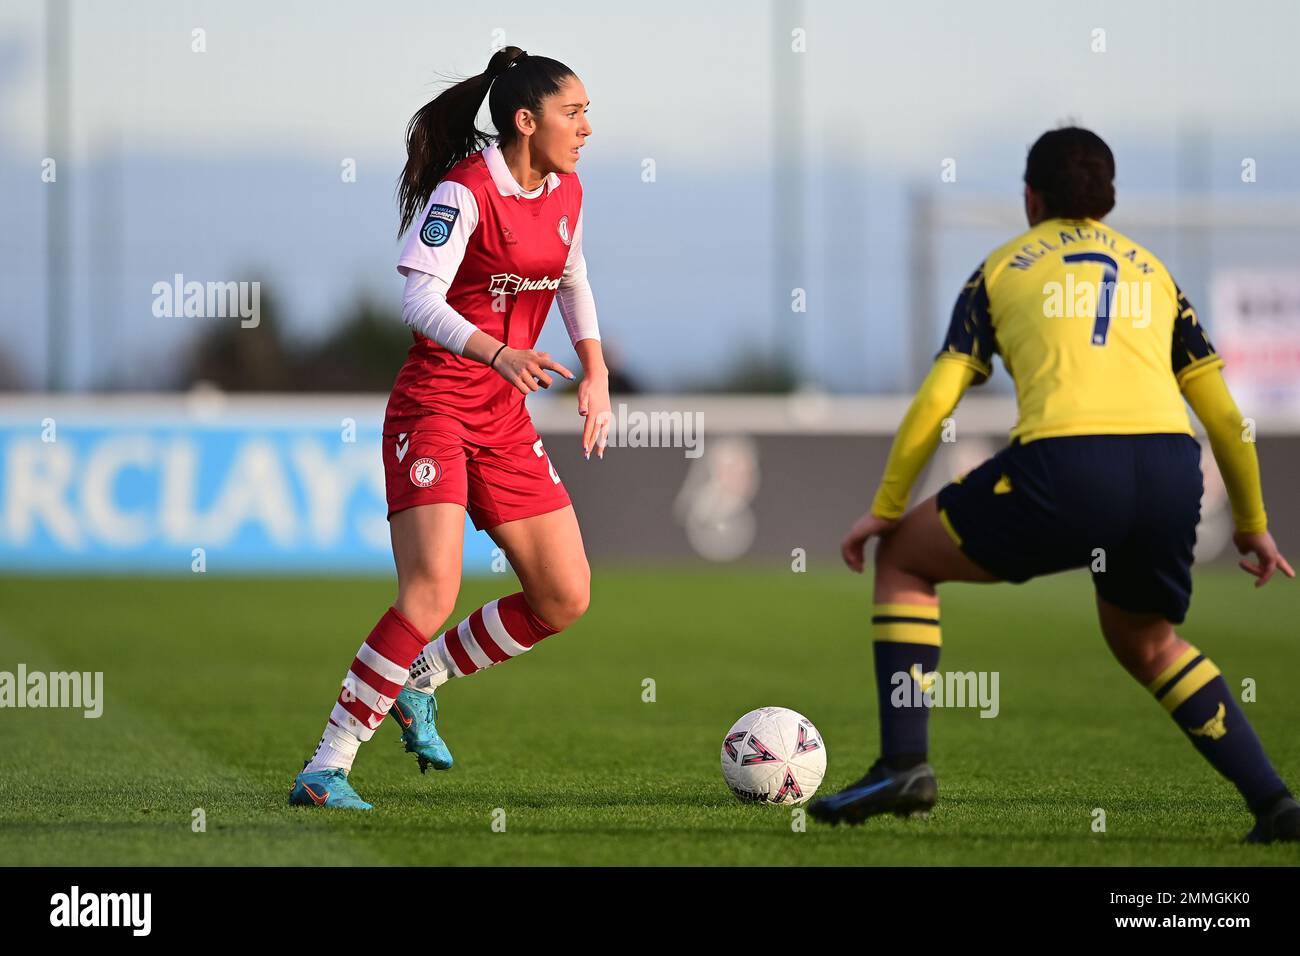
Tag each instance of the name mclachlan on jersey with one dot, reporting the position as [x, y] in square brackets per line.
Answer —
[1031, 252]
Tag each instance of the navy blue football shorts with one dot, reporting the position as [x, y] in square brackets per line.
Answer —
[1125, 506]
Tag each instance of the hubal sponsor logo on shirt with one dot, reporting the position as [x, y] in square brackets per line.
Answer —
[507, 283]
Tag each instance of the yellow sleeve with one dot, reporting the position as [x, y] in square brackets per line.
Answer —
[1208, 394]
[918, 435]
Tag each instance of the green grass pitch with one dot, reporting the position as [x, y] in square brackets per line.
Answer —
[216, 690]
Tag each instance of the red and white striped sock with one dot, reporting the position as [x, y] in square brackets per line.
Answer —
[373, 682]
[496, 632]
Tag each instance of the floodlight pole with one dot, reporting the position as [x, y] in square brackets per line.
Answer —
[57, 206]
[788, 201]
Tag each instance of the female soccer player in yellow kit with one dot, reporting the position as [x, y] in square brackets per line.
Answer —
[1102, 457]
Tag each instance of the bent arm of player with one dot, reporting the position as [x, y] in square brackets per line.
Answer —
[918, 435]
[1197, 366]
[578, 310]
[430, 260]
[426, 310]
[1233, 444]
[914, 443]
[964, 360]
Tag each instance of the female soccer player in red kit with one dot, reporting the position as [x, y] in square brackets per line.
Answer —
[500, 239]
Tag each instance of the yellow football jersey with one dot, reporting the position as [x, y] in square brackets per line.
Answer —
[1091, 327]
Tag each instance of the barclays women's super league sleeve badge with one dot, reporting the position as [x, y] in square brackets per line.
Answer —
[437, 225]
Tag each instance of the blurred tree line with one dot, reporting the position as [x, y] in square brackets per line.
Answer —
[362, 354]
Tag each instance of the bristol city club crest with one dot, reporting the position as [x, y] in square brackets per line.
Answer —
[425, 472]
[563, 229]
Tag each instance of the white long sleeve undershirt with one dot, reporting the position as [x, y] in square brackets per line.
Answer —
[577, 304]
[425, 309]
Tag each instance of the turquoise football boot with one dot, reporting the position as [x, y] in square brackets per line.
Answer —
[415, 712]
[325, 788]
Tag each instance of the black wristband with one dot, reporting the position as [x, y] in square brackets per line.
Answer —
[494, 358]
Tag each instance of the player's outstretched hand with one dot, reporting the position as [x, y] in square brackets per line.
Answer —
[526, 370]
[593, 404]
[1267, 557]
[855, 542]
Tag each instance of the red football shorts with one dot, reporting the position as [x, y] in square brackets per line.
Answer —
[511, 479]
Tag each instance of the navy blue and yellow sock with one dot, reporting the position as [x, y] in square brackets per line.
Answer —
[906, 642]
[1195, 694]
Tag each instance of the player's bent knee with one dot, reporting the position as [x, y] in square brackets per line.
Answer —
[427, 606]
[1145, 658]
[562, 607]
[891, 557]
[891, 576]
[577, 604]
[1141, 643]
[565, 611]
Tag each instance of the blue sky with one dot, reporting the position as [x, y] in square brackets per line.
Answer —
[228, 161]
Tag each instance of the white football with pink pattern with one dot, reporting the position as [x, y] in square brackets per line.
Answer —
[773, 755]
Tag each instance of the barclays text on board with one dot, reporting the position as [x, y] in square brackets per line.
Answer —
[188, 497]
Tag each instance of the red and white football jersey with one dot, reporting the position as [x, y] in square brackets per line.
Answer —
[501, 254]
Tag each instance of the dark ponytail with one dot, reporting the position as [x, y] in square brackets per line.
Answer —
[444, 131]
[1073, 170]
